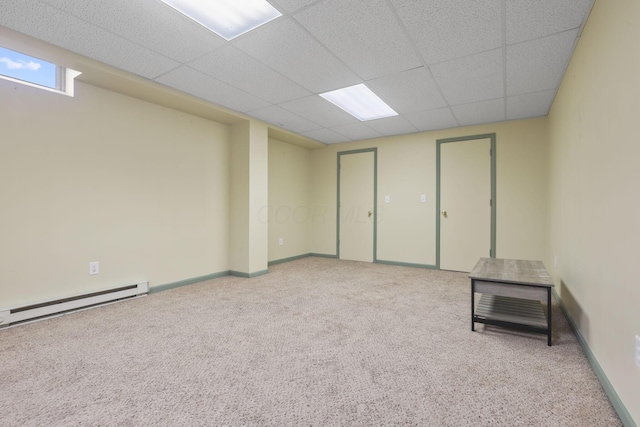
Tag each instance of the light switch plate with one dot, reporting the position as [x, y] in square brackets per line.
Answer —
[423, 198]
[387, 199]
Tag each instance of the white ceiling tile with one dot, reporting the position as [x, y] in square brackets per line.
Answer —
[290, 5]
[276, 71]
[319, 110]
[447, 29]
[47, 23]
[197, 84]
[538, 65]
[325, 135]
[527, 20]
[364, 34]
[238, 69]
[529, 105]
[409, 91]
[396, 125]
[480, 112]
[356, 131]
[284, 119]
[287, 48]
[441, 118]
[472, 78]
[151, 24]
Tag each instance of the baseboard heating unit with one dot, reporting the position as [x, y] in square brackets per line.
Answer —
[42, 310]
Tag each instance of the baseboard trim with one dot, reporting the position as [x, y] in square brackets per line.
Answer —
[283, 260]
[406, 264]
[611, 393]
[186, 282]
[248, 275]
[324, 255]
[173, 285]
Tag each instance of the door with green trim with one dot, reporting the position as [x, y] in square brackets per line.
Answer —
[356, 206]
[465, 203]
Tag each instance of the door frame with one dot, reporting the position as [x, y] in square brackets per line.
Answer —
[439, 142]
[375, 199]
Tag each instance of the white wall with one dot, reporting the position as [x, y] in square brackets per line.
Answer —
[103, 177]
[289, 211]
[407, 169]
[594, 196]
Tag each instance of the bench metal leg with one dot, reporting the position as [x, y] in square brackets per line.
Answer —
[549, 317]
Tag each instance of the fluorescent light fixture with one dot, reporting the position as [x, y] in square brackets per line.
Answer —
[227, 18]
[360, 102]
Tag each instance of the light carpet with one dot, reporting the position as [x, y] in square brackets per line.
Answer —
[317, 342]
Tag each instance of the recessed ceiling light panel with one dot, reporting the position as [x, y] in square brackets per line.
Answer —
[227, 18]
[360, 102]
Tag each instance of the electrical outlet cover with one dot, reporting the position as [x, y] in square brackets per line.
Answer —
[94, 268]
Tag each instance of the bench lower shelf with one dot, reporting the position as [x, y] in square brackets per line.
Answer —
[511, 312]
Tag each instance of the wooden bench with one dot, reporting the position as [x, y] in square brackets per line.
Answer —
[512, 293]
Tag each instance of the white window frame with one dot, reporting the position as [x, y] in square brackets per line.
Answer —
[65, 78]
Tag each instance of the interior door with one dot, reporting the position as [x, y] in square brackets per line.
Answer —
[465, 203]
[356, 206]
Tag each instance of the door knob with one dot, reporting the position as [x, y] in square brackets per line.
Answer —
[444, 214]
[370, 213]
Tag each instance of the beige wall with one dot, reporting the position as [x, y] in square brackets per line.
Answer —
[594, 215]
[289, 211]
[258, 196]
[407, 169]
[249, 194]
[239, 203]
[103, 177]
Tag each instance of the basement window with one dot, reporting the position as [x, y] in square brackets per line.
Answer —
[35, 72]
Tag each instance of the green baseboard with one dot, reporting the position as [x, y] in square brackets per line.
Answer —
[283, 260]
[611, 393]
[324, 255]
[173, 285]
[406, 264]
[248, 275]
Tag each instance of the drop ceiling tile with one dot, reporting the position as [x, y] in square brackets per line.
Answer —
[356, 131]
[527, 20]
[480, 112]
[538, 65]
[448, 29]
[396, 125]
[326, 136]
[472, 78]
[53, 26]
[290, 5]
[151, 24]
[284, 119]
[197, 84]
[364, 34]
[529, 105]
[409, 91]
[286, 47]
[441, 118]
[254, 71]
[238, 69]
[319, 110]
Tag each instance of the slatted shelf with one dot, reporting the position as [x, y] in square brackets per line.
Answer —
[512, 310]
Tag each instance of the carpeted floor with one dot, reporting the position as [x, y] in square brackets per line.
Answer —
[316, 342]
